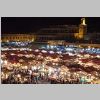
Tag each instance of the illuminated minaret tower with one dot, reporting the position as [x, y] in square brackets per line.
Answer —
[82, 29]
[83, 21]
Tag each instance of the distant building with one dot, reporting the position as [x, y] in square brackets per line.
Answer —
[16, 37]
[56, 32]
[63, 32]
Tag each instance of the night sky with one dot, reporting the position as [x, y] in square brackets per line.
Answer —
[33, 24]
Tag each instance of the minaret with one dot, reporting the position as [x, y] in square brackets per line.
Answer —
[83, 21]
[82, 29]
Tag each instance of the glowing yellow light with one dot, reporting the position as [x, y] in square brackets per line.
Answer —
[18, 75]
[7, 40]
[6, 76]
[26, 67]
[5, 62]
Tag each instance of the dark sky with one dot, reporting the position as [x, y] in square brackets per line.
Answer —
[32, 24]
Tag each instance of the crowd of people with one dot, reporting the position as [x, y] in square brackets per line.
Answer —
[49, 65]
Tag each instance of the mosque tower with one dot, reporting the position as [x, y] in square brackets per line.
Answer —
[82, 29]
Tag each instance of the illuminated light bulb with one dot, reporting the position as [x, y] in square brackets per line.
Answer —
[5, 61]
[34, 68]
[25, 79]
[26, 67]
[6, 76]
[36, 50]
[44, 51]
[98, 56]
[62, 72]
[18, 75]
[51, 52]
